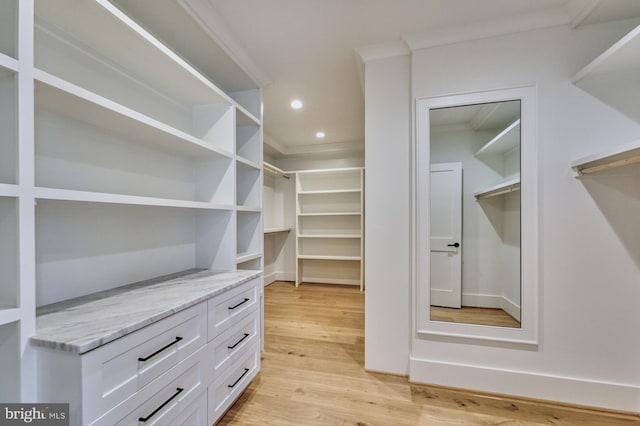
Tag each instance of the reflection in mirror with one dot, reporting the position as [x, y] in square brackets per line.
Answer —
[475, 261]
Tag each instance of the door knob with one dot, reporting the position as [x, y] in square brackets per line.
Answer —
[453, 245]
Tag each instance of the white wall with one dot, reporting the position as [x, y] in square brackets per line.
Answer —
[387, 214]
[279, 212]
[589, 245]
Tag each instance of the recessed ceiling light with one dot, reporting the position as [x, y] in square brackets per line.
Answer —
[320, 135]
[296, 104]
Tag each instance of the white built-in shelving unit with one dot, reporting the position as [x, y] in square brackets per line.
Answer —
[329, 228]
[613, 78]
[133, 164]
[506, 147]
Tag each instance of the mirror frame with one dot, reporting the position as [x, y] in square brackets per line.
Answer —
[529, 214]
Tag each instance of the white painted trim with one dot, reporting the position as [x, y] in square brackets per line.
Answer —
[325, 280]
[486, 29]
[383, 50]
[204, 14]
[572, 390]
[581, 10]
[279, 276]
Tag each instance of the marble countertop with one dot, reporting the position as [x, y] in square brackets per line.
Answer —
[85, 323]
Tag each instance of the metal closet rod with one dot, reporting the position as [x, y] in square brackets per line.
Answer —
[274, 170]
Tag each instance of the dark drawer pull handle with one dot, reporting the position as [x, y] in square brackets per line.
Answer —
[241, 303]
[246, 370]
[239, 341]
[146, 358]
[144, 419]
[453, 245]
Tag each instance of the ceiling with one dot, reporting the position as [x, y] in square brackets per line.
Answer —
[311, 50]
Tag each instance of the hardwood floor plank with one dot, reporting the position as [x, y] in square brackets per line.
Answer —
[313, 374]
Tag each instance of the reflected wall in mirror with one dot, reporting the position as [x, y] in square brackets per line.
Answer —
[475, 251]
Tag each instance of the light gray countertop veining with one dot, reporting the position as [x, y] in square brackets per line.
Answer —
[82, 324]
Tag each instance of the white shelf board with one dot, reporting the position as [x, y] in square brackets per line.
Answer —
[330, 214]
[8, 190]
[502, 188]
[274, 231]
[326, 236]
[248, 163]
[248, 209]
[619, 156]
[505, 140]
[245, 257]
[145, 56]
[56, 94]
[9, 315]
[270, 168]
[328, 257]
[331, 170]
[331, 191]
[623, 55]
[99, 197]
[8, 62]
[245, 118]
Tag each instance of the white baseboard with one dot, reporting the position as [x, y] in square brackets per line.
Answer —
[613, 396]
[492, 301]
[279, 276]
[327, 280]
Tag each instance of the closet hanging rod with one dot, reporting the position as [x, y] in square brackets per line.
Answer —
[274, 170]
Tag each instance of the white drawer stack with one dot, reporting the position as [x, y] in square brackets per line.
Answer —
[184, 369]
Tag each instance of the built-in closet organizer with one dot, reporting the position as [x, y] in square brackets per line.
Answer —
[613, 77]
[122, 164]
[278, 195]
[10, 312]
[152, 351]
[329, 228]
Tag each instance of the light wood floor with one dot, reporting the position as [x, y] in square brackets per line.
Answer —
[313, 374]
[473, 315]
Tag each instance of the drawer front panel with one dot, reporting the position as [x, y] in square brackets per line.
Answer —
[195, 414]
[229, 346]
[224, 391]
[231, 307]
[119, 369]
[165, 406]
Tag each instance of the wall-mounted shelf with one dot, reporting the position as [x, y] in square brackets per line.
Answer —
[8, 190]
[617, 157]
[8, 62]
[502, 188]
[275, 231]
[507, 139]
[613, 75]
[329, 243]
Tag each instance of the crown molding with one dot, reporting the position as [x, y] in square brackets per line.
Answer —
[208, 18]
[284, 151]
[382, 51]
[486, 29]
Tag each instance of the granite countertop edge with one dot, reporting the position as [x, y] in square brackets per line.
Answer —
[57, 319]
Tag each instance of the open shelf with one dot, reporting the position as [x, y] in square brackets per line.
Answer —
[617, 157]
[55, 94]
[8, 124]
[504, 141]
[100, 197]
[248, 185]
[9, 29]
[613, 75]
[328, 257]
[83, 248]
[249, 234]
[502, 188]
[248, 139]
[331, 191]
[275, 231]
[330, 202]
[329, 179]
[329, 236]
[9, 282]
[330, 214]
[247, 256]
[8, 63]
[8, 190]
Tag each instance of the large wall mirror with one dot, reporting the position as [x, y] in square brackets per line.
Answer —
[476, 218]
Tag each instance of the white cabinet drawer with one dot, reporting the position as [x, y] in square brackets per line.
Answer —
[229, 346]
[116, 371]
[224, 390]
[195, 414]
[231, 307]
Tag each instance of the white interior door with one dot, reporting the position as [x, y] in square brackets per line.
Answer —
[446, 235]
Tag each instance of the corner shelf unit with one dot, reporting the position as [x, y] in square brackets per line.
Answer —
[506, 147]
[613, 78]
[329, 242]
[140, 166]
